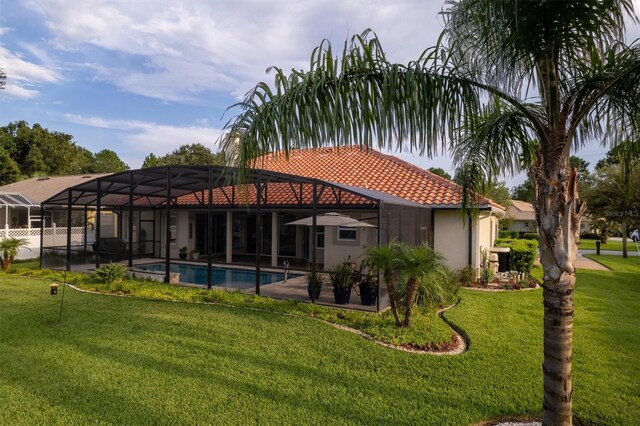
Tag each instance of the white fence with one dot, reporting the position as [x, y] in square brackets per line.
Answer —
[54, 236]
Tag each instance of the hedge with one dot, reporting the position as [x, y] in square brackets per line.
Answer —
[529, 236]
[523, 253]
[507, 234]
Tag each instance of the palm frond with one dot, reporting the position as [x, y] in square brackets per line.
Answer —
[508, 43]
[500, 141]
[602, 99]
[359, 99]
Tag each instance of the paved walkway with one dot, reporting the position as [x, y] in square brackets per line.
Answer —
[586, 263]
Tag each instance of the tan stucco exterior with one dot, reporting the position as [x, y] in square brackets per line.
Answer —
[451, 236]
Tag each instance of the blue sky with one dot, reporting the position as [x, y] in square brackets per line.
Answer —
[147, 76]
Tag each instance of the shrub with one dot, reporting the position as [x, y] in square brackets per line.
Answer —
[438, 288]
[9, 249]
[466, 276]
[504, 234]
[111, 273]
[342, 275]
[590, 236]
[530, 236]
[523, 253]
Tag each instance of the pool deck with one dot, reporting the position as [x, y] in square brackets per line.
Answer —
[292, 289]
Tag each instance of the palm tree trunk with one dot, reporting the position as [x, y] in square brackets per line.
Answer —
[558, 212]
[412, 289]
[392, 290]
[625, 229]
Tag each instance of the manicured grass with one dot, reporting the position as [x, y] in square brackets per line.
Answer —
[426, 332]
[609, 245]
[617, 263]
[129, 361]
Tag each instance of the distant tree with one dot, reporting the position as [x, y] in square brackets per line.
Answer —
[499, 193]
[615, 196]
[440, 172]
[107, 161]
[35, 151]
[524, 192]
[9, 171]
[34, 163]
[185, 155]
[151, 161]
[496, 191]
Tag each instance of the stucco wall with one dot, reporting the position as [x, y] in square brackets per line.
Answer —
[450, 238]
[484, 236]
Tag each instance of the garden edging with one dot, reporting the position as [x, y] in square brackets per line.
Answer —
[460, 337]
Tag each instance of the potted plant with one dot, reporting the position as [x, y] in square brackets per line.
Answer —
[195, 254]
[183, 253]
[368, 287]
[342, 278]
[314, 285]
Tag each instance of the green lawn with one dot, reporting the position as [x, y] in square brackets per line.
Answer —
[609, 245]
[129, 361]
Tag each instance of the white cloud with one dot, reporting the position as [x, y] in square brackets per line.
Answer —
[177, 50]
[23, 77]
[143, 137]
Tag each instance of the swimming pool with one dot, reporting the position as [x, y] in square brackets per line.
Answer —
[221, 277]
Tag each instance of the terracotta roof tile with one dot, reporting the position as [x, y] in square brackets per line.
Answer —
[368, 169]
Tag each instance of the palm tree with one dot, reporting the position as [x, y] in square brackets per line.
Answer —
[9, 248]
[383, 259]
[512, 85]
[415, 264]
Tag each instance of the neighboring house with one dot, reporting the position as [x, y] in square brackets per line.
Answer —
[521, 217]
[20, 215]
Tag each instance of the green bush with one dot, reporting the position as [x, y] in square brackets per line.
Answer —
[523, 253]
[439, 288]
[342, 275]
[466, 276]
[504, 234]
[590, 236]
[530, 236]
[111, 273]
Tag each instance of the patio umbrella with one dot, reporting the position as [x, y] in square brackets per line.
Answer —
[332, 219]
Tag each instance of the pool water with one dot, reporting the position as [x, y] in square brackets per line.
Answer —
[221, 277]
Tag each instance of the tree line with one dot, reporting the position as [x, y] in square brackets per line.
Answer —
[28, 151]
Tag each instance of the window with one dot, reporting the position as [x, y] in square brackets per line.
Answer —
[347, 234]
[320, 237]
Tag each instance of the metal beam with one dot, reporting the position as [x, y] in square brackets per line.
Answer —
[209, 229]
[167, 241]
[258, 232]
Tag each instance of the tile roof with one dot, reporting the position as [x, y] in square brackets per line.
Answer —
[521, 210]
[369, 169]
